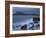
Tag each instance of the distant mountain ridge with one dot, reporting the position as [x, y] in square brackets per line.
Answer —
[22, 13]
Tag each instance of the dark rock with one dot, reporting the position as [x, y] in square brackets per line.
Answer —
[24, 27]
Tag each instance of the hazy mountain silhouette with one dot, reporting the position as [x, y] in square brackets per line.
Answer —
[22, 13]
[19, 13]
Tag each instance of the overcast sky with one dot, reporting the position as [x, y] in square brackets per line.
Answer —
[26, 10]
